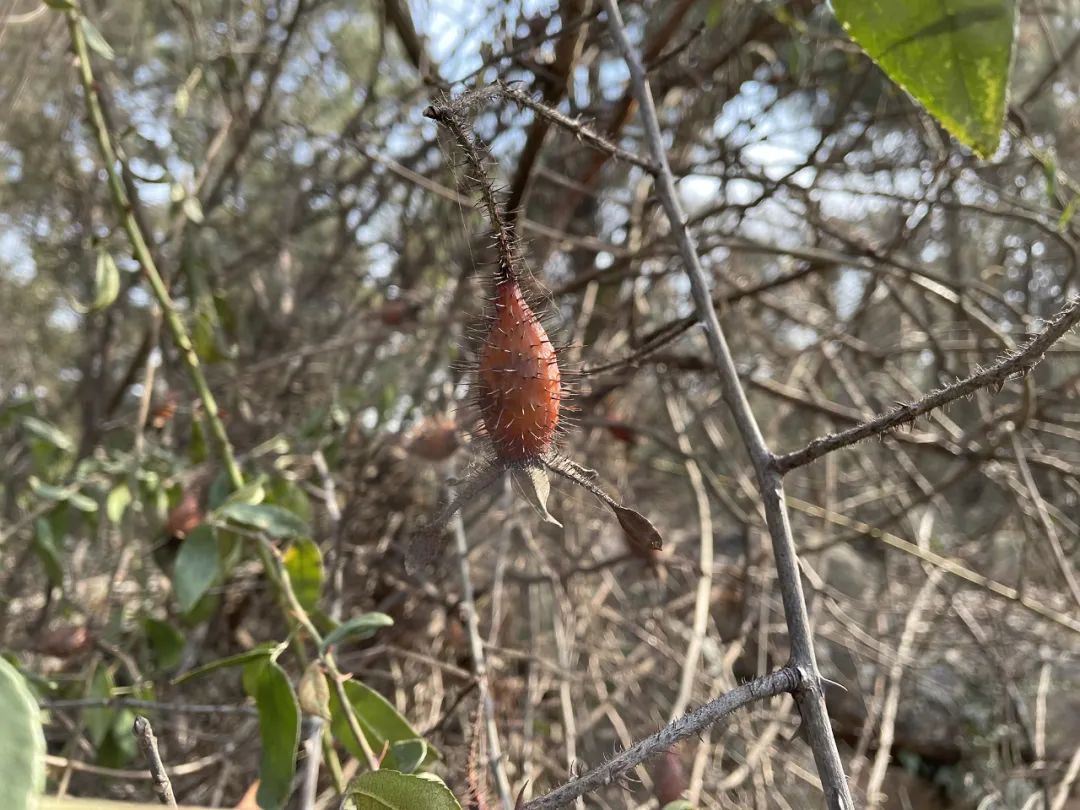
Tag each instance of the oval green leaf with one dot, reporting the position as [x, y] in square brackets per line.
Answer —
[279, 733]
[392, 790]
[106, 281]
[265, 650]
[22, 745]
[303, 562]
[357, 628]
[273, 520]
[380, 722]
[952, 56]
[196, 566]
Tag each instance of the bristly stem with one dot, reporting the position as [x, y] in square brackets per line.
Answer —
[505, 241]
[1015, 364]
[428, 540]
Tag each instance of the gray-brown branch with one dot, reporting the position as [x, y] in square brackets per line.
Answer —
[144, 733]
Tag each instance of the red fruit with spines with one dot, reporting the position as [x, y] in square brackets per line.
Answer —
[520, 385]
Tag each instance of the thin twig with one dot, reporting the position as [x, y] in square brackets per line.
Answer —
[149, 747]
[1060, 557]
[810, 697]
[579, 130]
[705, 557]
[476, 648]
[788, 679]
[908, 637]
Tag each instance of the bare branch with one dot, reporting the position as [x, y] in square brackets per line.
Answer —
[149, 747]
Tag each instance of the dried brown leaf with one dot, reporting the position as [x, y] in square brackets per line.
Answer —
[640, 532]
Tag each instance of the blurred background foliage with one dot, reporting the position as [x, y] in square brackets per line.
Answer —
[318, 240]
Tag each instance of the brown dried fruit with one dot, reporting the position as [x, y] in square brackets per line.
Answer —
[66, 641]
[669, 777]
[185, 517]
[434, 439]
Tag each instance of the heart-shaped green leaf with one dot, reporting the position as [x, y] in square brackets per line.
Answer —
[953, 56]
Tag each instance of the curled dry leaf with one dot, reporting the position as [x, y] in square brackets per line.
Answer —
[640, 532]
[536, 486]
[313, 693]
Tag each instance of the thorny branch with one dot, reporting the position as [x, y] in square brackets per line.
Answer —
[789, 679]
[1018, 363]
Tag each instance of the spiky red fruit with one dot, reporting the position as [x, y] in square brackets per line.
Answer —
[520, 385]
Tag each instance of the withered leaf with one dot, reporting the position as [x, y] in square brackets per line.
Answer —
[639, 529]
[314, 692]
[536, 486]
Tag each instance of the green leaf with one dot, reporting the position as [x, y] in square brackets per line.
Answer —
[265, 650]
[1067, 214]
[252, 492]
[69, 495]
[117, 502]
[47, 552]
[279, 733]
[196, 566]
[286, 494]
[303, 562]
[61, 5]
[357, 628]
[95, 40]
[99, 719]
[22, 745]
[678, 804]
[166, 643]
[273, 520]
[379, 721]
[106, 282]
[392, 790]
[48, 433]
[409, 754]
[192, 209]
[953, 56]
